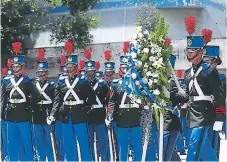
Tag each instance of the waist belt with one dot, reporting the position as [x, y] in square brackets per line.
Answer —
[74, 102]
[128, 106]
[17, 100]
[44, 102]
[200, 98]
[97, 106]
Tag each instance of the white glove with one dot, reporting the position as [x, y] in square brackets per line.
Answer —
[107, 121]
[50, 119]
[218, 125]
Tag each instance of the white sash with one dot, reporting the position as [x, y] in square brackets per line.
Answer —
[71, 90]
[42, 91]
[195, 82]
[17, 88]
[99, 105]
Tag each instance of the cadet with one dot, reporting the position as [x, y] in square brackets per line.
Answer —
[212, 57]
[202, 83]
[97, 114]
[73, 96]
[41, 110]
[109, 72]
[127, 120]
[14, 108]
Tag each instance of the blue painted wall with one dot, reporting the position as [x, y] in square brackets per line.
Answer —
[107, 4]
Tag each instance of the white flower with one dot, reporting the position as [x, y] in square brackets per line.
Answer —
[139, 64]
[133, 54]
[155, 80]
[134, 42]
[156, 92]
[134, 36]
[140, 35]
[139, 101]
[146, 107]
[155, 75]
[145, 32]
[150, 82]
[146, 65]
[148, 73]
[152, 58]
[134, 76]
[131, 95]
[137, 83]
[146, 50]
[152, 51]
[139, 29]
[144, 80]
[158, 64]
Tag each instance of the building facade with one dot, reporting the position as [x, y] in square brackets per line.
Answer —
[118, 19]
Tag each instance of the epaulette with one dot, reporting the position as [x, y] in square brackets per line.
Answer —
[6, 80]
[82, 79]
[27, 78]
[61, 79]
[205, 66]
[115, 82]
[51, 83]
[102, 82]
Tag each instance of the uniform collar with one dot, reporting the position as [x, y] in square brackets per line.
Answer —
[196, 66]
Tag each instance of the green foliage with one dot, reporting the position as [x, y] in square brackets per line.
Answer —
[75, 27]
[14, 27]
[155, 66]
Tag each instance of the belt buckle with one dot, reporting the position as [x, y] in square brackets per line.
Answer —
[41, 102]
[15, 100]
[70, 102]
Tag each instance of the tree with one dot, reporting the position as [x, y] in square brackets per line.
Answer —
[13, 25]
[76, 25]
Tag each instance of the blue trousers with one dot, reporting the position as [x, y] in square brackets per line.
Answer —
[224, 127]
[135, 134]
[4, 139]
[214, 139]
[169, 152]
[17, 134]
[42, 142]
[102, 140]
[59, 139]
[115, 133]
[200, 146]
[180, 143]
[186, 131]
[71, 132]
[151, 149]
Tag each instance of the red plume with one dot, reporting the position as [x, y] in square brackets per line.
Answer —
[4, 71]
[25, 73]
[41, 54]
[107, 55]
[82, 64]
[180, 73]
[190, 24]
[126, 46]
[87, 53]
[9, 62]
[168, 42]
[207, 34]
[63, 59]
[97, 65]
[69, 47]
[16, 47]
